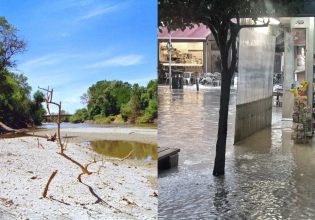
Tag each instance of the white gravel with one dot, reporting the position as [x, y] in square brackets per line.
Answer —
[128, 190]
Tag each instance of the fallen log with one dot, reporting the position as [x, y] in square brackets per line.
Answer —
[6, 129]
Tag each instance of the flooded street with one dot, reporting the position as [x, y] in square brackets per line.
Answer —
[267, 176]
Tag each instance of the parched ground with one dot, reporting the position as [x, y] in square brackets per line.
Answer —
[127, 189]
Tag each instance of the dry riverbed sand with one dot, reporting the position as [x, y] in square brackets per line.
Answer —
[78, 135]
[128, 188]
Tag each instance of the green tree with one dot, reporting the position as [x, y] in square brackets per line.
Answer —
[151, 107]
[37, 111]
[136, 104]
[222, 17]
[105, 98]
[14, 100]
[14, 90]
[10, 44]
[79, 116]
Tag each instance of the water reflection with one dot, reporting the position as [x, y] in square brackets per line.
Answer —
[66, 125]
[267, 176]
[121, 149]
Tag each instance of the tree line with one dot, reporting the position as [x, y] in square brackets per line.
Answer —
[120, 102]
[106, 101]
[17, 108]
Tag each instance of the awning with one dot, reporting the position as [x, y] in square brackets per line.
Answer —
[196, 33]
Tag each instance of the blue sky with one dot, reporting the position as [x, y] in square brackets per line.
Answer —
[72, 44]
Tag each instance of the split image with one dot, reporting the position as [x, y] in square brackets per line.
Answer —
[78, 111]
[167, 109]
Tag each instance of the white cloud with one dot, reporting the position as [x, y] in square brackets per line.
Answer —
[126, 60]
[99, 11]
[47, 60]
[65, 4]
[43, 60]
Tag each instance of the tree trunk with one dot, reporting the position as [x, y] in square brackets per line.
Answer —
[225, 37]
[219, 163]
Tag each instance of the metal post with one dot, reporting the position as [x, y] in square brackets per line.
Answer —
[206, 54]
[170, 60]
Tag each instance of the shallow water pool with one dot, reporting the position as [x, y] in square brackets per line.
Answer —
[122, 149]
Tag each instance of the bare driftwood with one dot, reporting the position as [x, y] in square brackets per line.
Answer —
[48, 183]
[62, 146]
[6, 128]
[126, 157]
[39, 144]
[51, 137]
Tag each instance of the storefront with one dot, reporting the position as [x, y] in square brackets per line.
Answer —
[184, 53]
[194, 50]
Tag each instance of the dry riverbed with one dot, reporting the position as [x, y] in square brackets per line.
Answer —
[77, 135]
[118, 190]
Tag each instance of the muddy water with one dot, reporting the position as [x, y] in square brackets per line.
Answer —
[267, 176]
[121, 149]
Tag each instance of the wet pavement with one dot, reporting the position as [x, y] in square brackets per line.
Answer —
[267, 176]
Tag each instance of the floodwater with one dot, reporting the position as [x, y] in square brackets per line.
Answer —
[267, 176]
[122, 149]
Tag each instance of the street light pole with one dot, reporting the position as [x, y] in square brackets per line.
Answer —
[206, 55]
[169, 48]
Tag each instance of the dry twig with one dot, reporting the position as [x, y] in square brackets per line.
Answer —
[48, 183]
[127, 155]
[39, 144]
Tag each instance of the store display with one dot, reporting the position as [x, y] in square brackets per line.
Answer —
[183, 53]
[302, 115]
[301, 90]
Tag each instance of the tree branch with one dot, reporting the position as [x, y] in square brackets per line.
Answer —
[48, 183]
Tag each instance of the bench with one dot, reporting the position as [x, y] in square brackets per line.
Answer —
[167, 157]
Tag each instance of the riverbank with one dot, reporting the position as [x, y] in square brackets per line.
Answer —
[121, 123]
[128, 188]
[84, 134]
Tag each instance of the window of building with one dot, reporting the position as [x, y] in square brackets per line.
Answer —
[184, 53]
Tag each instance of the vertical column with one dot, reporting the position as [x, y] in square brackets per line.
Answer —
[254, 90]
[288, 97]
[309, 60]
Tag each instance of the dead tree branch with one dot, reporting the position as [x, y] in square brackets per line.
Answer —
[39, 144]
[127, 155]
[84, 168]
[48, 100]
[48, 183]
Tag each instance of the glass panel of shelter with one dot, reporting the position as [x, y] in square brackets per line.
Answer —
[299, 39]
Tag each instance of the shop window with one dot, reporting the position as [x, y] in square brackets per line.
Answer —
[184, 53]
